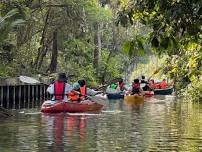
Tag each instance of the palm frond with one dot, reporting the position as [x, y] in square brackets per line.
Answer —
[8, 15]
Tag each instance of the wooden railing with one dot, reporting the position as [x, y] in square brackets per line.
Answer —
[23, 96]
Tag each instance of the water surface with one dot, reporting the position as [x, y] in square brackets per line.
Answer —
[160, 124]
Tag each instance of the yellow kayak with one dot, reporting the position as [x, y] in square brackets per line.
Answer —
[134, 99]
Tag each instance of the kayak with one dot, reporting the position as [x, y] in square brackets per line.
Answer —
[115, 96]
[166, 91]
[148, 93]
[101, 96]
[134, 99]
[61, 106]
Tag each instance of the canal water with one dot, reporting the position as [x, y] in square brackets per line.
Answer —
[160, 124]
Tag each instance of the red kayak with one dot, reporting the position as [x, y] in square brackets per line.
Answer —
[61, 106]
[148, 93]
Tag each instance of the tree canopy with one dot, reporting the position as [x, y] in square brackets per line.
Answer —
[101, 39]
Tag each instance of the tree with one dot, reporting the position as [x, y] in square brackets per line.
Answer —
[176, 31]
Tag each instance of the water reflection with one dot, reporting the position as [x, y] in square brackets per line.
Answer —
[151, 126]
[134, 108]
[74, 123]
[63, 127]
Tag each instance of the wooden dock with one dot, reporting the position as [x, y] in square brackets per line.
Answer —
[17, 95]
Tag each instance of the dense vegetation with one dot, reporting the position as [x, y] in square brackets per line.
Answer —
[176, 31]
[85, 38]
[79, 37]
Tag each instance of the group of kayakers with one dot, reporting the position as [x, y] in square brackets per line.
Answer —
[139, 85]
[63, 91]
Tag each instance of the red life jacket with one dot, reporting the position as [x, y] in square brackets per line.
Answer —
[136, 88]
[136, 85]
[59, 89]
[120, 85]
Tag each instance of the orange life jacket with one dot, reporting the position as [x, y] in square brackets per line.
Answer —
[82, 90]
[163, 85]
[59, 89]
[74, 97]
[157, 86]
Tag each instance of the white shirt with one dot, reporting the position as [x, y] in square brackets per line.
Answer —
[68, 88]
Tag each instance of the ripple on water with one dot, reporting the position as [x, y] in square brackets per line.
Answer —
[172, 126]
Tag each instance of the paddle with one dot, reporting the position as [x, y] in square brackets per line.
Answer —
[92, 98]
[108, 83]
[95, 98]
[99, 92]
[155, 72]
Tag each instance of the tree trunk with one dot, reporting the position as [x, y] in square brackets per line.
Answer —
[42, 41]
[44, 52]
[105, 69]
[113, 50]
[97, 49]
[53, 65]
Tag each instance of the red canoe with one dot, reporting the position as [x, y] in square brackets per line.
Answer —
[60, 106]
[148, 93]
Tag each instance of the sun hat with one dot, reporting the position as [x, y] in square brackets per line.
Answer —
[62, 77]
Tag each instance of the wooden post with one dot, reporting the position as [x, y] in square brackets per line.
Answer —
[41, 95]
[37, 95]
[28, 95]
[44, 92]
[2, 91]
[32, 94]
[24, 90]
[19, 94]
[7, 97]
[14, 96]
[34, 91]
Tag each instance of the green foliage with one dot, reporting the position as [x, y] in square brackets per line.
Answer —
[7, 23]
[97, 13]
[176, 31]
[113, 68]
[147, 65]
[134, 47]
[31, 45]
[193, 92]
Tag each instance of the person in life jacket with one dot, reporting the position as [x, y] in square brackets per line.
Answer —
[79, 87]
[163, 84]
[157, 84]
[151, 84]
[143, 79]
[120, 85]
[136, 87]
[113, 86]
[144, 84]
[82, 90]
[60, 88]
